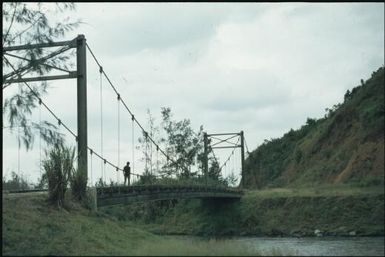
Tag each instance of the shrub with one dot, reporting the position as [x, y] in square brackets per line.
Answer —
[100, 183]
[43, 182]
[15, 183]
[79, 184]
[58, 166]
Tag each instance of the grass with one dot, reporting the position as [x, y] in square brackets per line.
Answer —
[32, 227]
[326, 190]
[336, 210]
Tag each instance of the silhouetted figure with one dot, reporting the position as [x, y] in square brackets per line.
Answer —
[127, 172]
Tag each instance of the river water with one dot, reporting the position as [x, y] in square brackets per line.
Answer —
[315, 246]
[308, 246]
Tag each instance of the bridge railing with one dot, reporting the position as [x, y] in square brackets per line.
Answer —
[152, 188]
[128, 194]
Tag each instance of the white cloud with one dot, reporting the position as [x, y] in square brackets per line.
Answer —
[261, 68]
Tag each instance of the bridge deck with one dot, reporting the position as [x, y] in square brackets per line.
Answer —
[128, 194]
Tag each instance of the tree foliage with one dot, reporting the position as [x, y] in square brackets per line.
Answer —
[15, 183]
[152, 163]
[32, 23]
[183, 143]
[184, 147]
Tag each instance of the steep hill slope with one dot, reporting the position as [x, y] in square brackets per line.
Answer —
[346, 146]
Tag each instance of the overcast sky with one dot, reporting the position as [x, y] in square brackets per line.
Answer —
[260, 68]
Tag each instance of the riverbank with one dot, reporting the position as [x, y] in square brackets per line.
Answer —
[343, 210]
[32, 227]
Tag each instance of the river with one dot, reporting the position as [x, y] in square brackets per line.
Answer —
[309, 246]
[315, 246]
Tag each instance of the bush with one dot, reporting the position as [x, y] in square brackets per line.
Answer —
[59, 167]
[16, 183]
[100, 183]
[79, 185]
[43, 182]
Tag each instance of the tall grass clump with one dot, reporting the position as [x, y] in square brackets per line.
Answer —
[58, 166]
[79, 184]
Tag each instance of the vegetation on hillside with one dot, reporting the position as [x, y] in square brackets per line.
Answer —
[345, 146]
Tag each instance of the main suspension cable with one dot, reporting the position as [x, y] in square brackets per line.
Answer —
[124, 104]
[247, 149]
[66, 127]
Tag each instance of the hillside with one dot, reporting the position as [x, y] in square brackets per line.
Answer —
[346, 146]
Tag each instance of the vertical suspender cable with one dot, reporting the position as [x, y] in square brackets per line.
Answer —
[150, 158]
[104, 171]
[157, 160]
[133, 144]
[40, 138]
[91, 166]
[238, 161]
[101, 120]
[146, 152]
[18, 144]
[18, 149]
[117, 171]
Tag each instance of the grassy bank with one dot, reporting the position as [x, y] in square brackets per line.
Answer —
[32, 227]
[334, 210]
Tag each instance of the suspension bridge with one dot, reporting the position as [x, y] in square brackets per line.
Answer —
[142, 187]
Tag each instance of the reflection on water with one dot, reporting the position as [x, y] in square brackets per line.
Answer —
[326, 246]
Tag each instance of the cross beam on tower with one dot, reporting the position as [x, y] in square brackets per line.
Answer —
[80, 74]
[206, 143]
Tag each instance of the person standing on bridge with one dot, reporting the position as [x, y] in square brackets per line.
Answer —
[127, 173]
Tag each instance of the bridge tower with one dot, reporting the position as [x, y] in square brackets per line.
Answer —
[80, 74]
[223, 138]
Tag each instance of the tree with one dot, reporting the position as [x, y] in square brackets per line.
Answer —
[214, 171]
[30, 23]
[15, 183]
[231, 180]
[147, 147]
[183, 144]
[310, 122]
